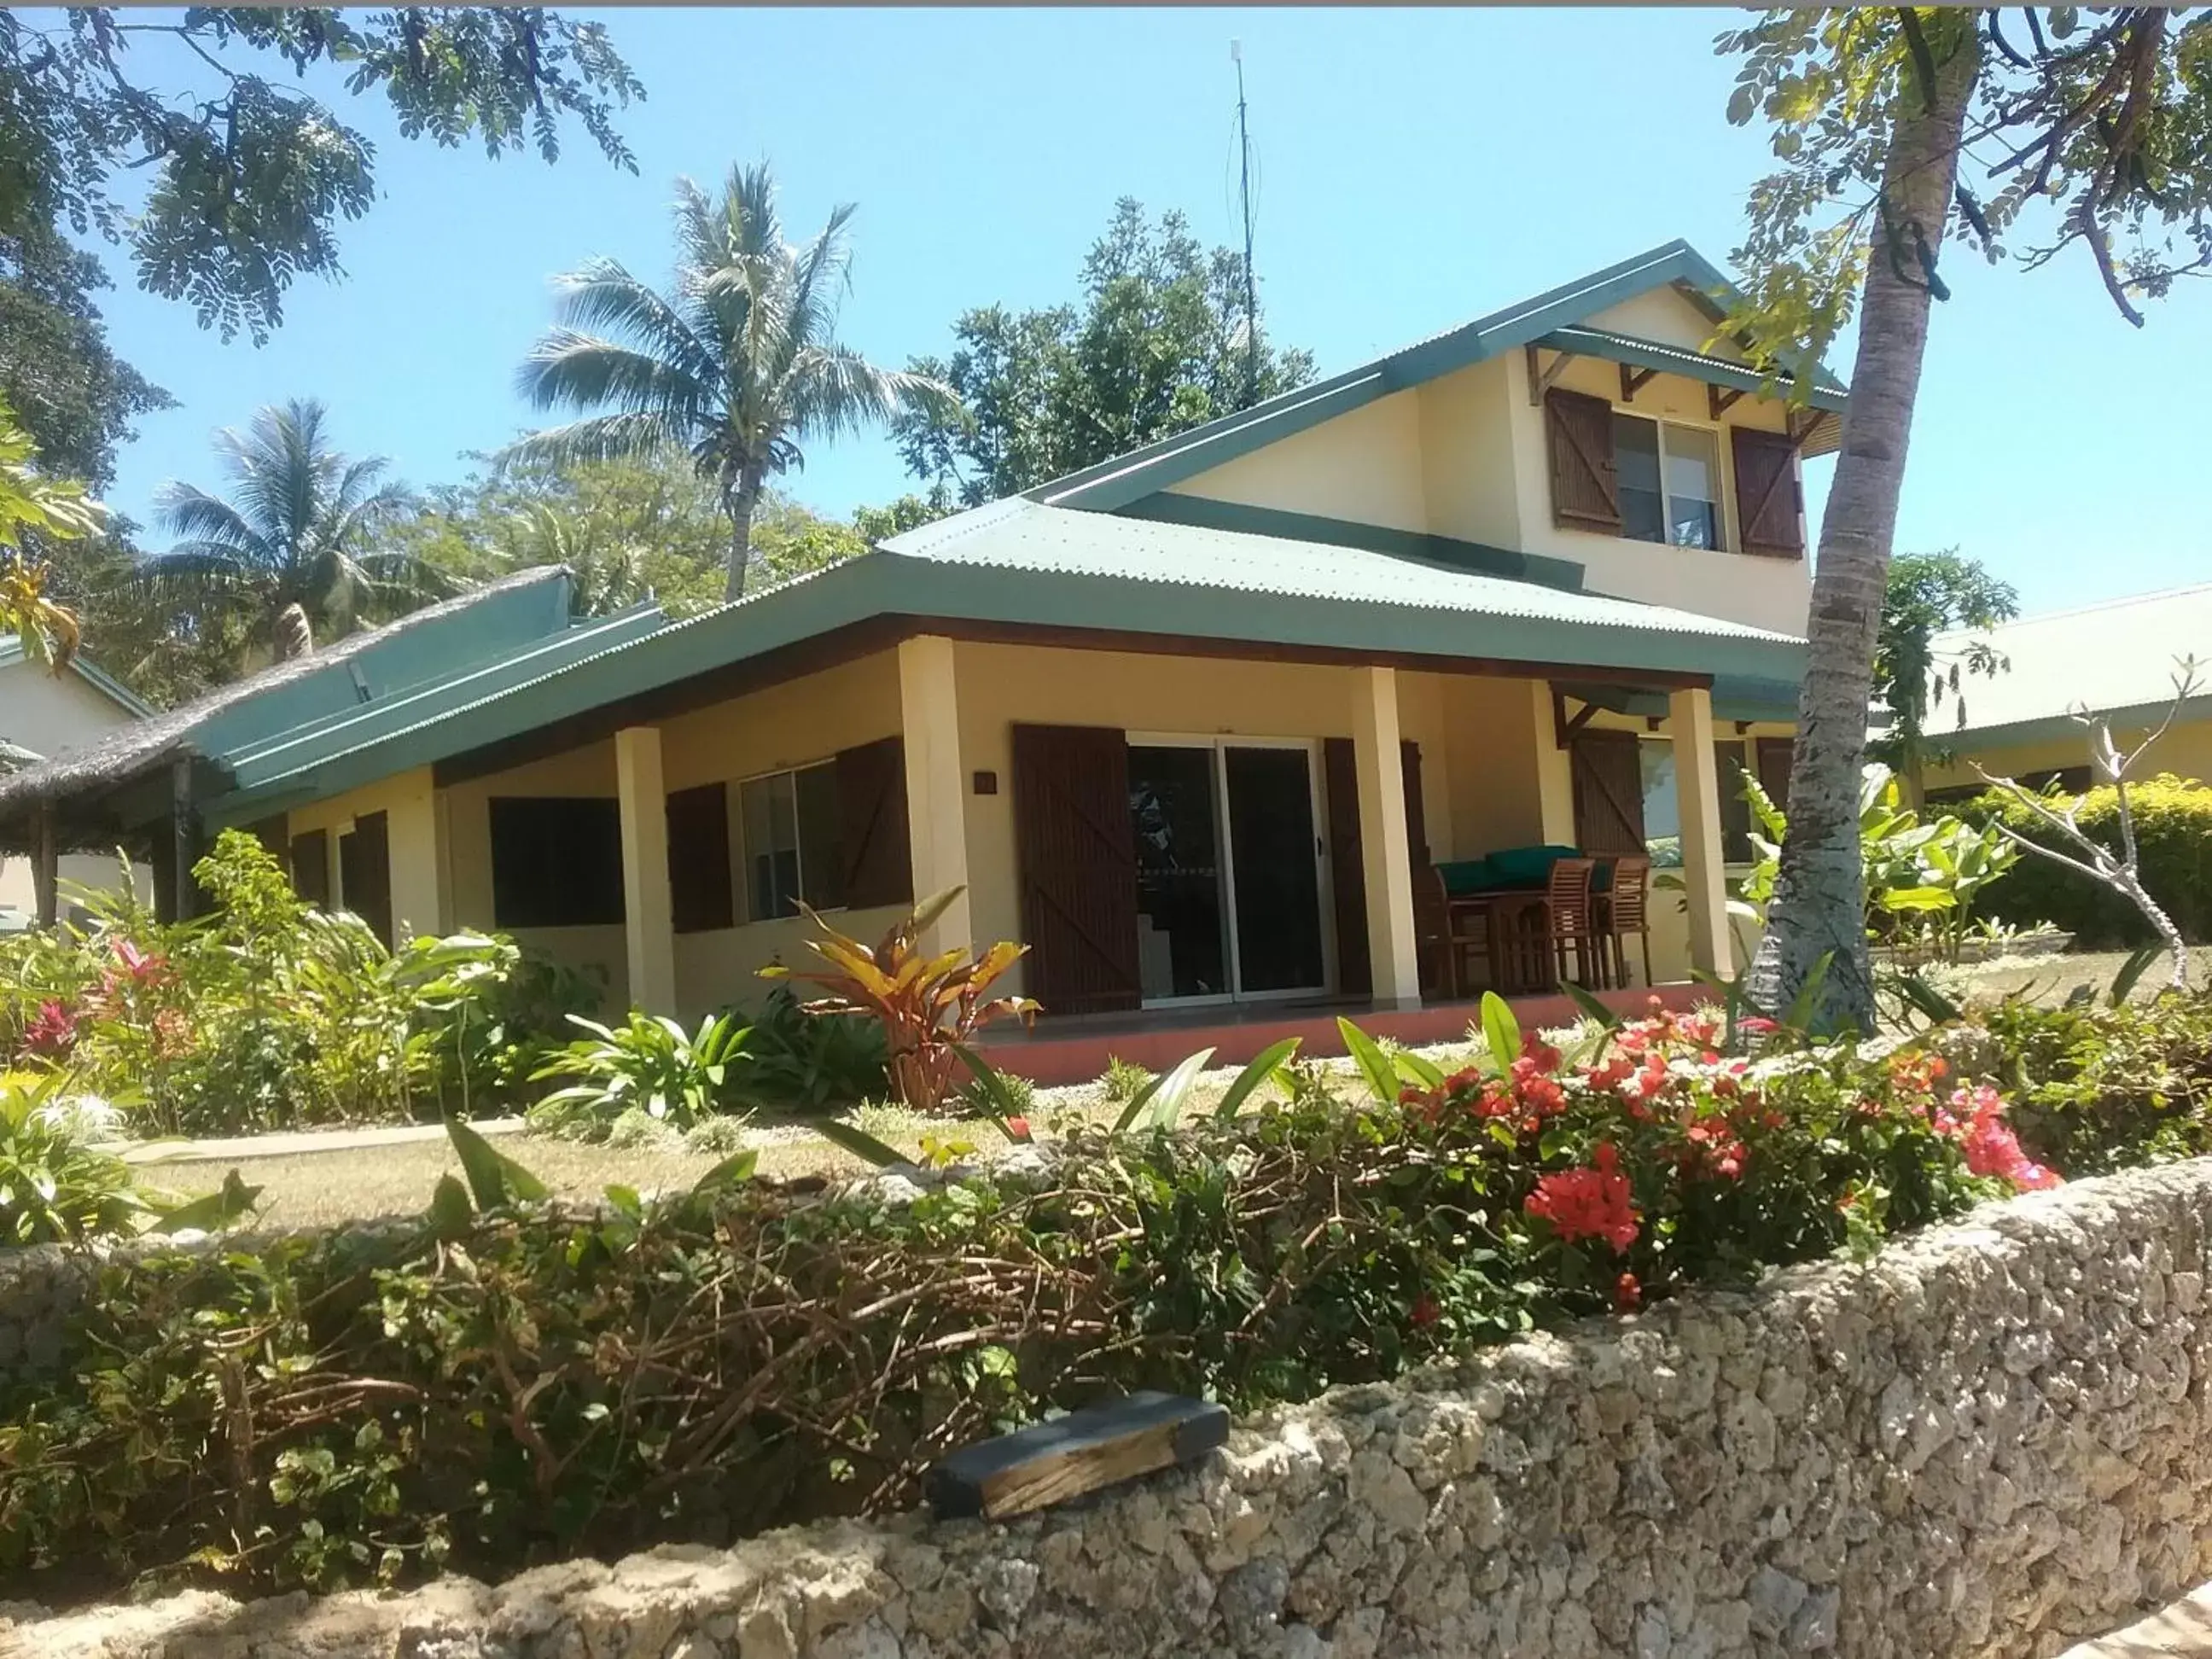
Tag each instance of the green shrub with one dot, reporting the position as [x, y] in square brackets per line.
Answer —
[648, 1071]
[2100, 1089]
[267, 1014]
[812, 1064]
[2173, 836]
[500, 1386]
[55, 1185]
[1122, 1080]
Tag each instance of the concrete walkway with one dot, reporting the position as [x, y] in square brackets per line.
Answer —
[2183, 1630]
[302, 1141]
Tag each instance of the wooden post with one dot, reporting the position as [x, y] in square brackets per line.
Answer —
[45, 866]
[184, 844]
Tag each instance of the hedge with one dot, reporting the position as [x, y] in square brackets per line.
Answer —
[486, 1391]
[2173, 833]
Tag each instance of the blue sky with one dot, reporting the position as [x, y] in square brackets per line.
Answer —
[1418, 167]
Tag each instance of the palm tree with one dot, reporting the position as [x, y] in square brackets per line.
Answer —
[737, 368]
[294, 552]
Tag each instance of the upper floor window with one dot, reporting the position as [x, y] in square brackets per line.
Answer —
[1670, 483]
[1619, 474]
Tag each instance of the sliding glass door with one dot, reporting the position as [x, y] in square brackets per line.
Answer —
[1229, 872]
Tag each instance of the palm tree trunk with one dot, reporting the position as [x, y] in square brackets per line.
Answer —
[1820, 895]
[741, 502]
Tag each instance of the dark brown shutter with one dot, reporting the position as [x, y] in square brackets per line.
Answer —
[311, 868]
[872, 826]
[1608, 776]
[1347, 875]
[1767, 505]
[1417, 816]
[1774, 757]
[365, 873]
[1078, 867]
[701, 895]
[1585, 492]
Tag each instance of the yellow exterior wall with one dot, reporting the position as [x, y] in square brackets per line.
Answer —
[49, 715]
[2186, 750]
[408, 802]
[1664, 315]
[1364, 466]
[1467, 457]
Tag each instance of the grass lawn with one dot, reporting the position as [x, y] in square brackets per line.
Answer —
[311, 1188]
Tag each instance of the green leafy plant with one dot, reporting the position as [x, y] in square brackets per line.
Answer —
[811, 1063]
[1121, 1079]
[927, 1008]
[648, 1064]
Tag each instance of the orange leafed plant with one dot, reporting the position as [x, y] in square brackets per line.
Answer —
[929, 1006]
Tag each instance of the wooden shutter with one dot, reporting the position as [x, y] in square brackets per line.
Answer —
[365, 873]
[311, 868]
[872, 815]
[1773, 758]
[1608, 777]
[1076, 862]
[701, 895]
[1585, 491]
[1347, 874]
[1417, 816]
[1768, 506]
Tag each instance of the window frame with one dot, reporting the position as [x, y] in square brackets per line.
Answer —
[741, 843]
[1723, 483]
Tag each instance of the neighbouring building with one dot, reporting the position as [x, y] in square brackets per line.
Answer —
[1189, 723]
[44, 715]
[2117, 658]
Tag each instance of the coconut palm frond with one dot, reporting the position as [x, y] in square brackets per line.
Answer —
[602, 438]
[602, 299]
[834, 391]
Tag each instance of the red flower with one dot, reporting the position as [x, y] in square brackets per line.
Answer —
[1538, 1054]
[1425, 1311]
[1756, 1025]
[53, 1033]
[1018, 1127]
[1627, 1294]
[1592, 1202]
[1976, 1120]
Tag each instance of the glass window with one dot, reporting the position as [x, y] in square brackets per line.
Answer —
[1636, 471]
[794, 841]
[1669, 477]
[1694, 488]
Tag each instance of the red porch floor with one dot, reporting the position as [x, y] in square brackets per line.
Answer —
[1074, 1048]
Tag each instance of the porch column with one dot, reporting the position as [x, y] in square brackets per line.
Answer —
[936, 805]
[45, 866]
[418, 900]
[1393, 957]
[1698, 801]
[648, 924]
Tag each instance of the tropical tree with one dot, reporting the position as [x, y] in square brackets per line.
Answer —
[1929, 595]
[1161, 341]
[2089, 128]
[738, 367]
[34, 505]
[299, 549]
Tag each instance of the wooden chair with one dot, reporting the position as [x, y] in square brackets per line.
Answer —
[1570, 916]
[1432, 932]
[1625, 908]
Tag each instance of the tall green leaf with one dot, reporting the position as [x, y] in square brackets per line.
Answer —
[211, 1212]
[860, 1143]
[1175, 1088]
[493, 1178]
[1800, 1016]
[1374, 1065]
[1269, 1061]
[1007, 1110]
[1593, 1007]
[735, 1171]
[1500, 1030]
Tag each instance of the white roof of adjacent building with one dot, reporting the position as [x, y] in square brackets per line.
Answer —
[2118, 654]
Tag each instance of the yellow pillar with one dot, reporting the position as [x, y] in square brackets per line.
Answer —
[411, 824]
[1698, 800]
[936, 830]
[649, 926]
[1393, 958]
[1555, 771]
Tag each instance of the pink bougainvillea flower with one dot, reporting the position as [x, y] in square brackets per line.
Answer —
[1757, 1025]
[1590, 1202]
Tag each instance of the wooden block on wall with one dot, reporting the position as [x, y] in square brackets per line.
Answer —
[1049, 1463]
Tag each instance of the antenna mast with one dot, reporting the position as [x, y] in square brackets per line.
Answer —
[1244, 202]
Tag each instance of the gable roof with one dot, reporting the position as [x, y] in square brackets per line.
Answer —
[342, 675]
[1018, 569]
[11, 652]
[1112, 484]
[2116, 656]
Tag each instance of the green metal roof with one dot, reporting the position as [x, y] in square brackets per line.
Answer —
[1019, 562]
[1639, 353]
[1113, 484]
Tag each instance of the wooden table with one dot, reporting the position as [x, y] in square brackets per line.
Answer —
[1495, 906]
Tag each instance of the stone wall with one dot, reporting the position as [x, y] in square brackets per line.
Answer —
[1993, 1440]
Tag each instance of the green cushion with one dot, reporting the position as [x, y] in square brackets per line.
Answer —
[1467, 876]
[1526, 866]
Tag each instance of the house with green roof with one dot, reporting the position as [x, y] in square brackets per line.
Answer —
[1195, 724]
[42, 713]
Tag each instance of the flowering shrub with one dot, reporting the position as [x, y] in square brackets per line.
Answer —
[269, 1014]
